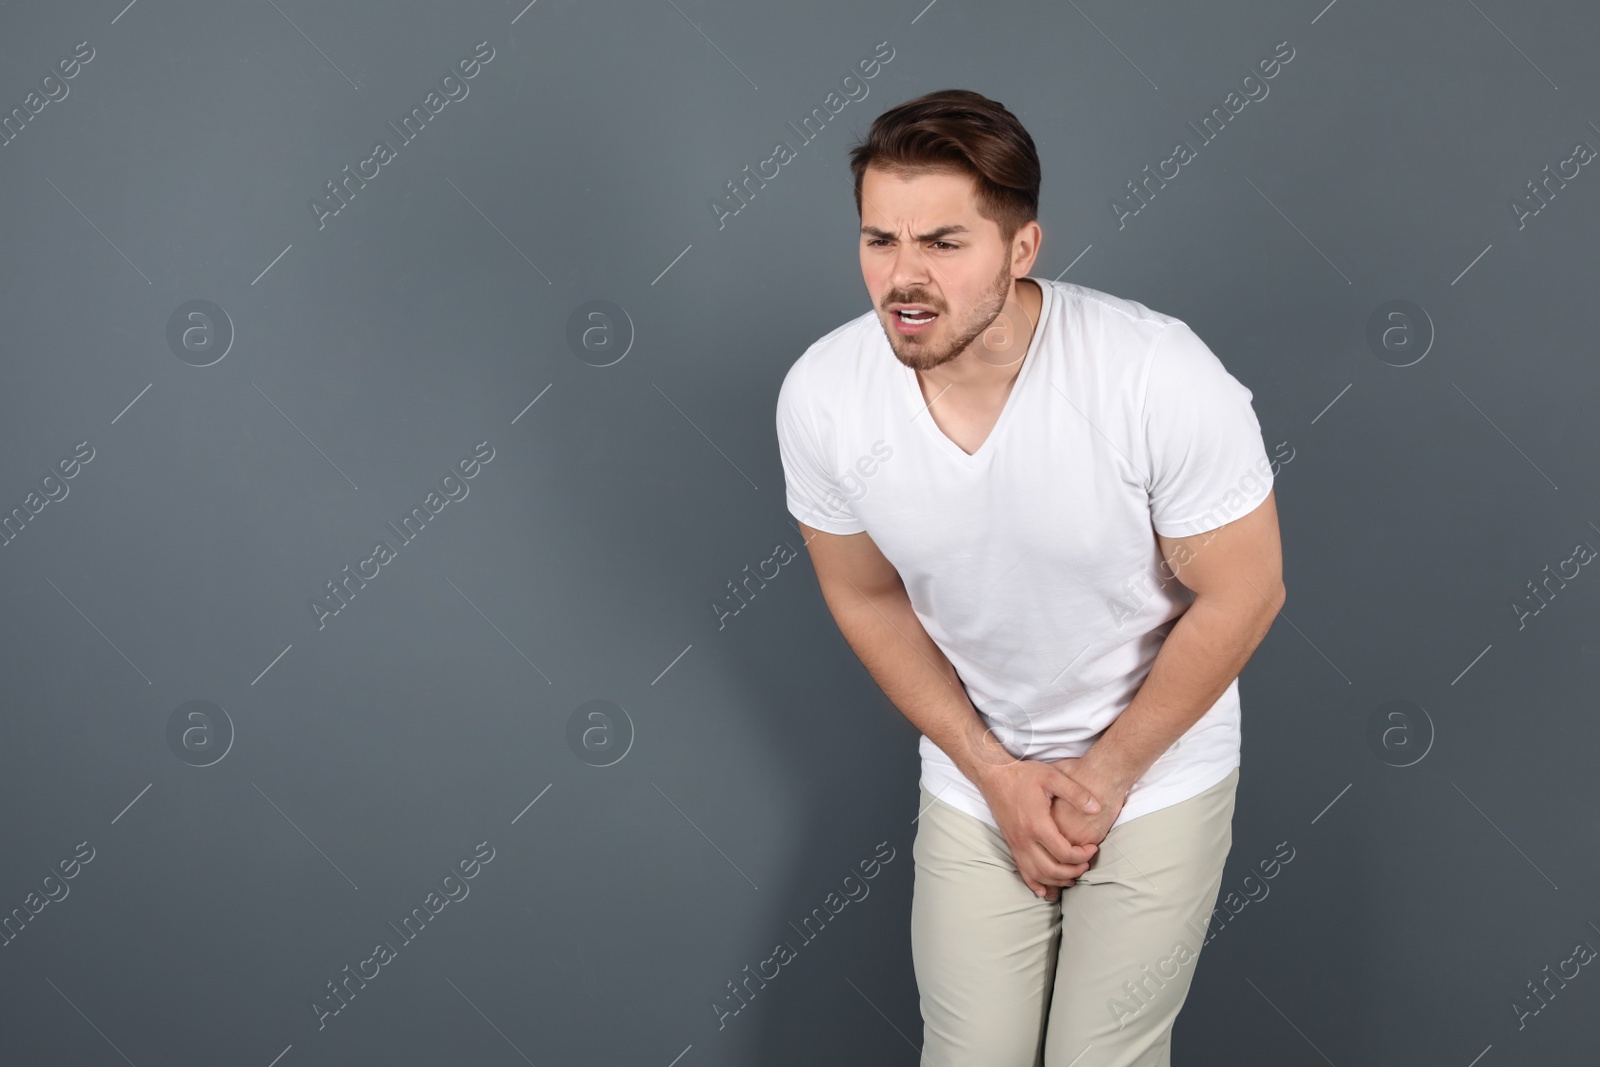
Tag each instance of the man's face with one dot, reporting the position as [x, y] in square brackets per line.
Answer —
[924, 244]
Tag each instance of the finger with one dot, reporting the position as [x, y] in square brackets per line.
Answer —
[1069, 869]
[1060, 847]
[1069, 873]
[1042, 890]
[1052, 871]
[1068, 788]
[1081, 836]
[1055, 883]
[1046, 887]
[1055, 891]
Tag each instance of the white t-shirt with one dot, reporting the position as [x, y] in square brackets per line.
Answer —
[1033, 563]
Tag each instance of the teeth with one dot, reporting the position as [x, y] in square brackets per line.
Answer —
[916, 316]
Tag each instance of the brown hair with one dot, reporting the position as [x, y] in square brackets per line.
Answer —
[958, 130]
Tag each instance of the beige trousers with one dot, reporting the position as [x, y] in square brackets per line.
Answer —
[1094, 980]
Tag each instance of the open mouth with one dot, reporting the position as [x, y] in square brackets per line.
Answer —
[911, 322]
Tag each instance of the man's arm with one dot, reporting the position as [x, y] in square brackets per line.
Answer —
[1236, 572]
[874, 613]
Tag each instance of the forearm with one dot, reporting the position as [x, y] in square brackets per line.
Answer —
[916, 676]
[1204, 651]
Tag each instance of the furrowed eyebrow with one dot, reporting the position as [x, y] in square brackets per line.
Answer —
[932, 235]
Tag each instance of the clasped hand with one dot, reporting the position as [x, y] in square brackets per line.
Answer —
[1081, 828]
[1041, 808]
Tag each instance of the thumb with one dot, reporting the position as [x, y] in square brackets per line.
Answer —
[1068, 788]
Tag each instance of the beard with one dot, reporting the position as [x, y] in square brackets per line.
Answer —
[921, 355]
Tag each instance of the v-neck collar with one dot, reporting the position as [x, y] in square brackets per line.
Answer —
[919, 403]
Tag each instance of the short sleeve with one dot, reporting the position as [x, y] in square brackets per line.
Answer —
[810, 487]
[1208, 465]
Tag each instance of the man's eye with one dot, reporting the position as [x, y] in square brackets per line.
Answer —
[877, 241]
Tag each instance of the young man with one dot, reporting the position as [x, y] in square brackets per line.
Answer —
[1042, 516]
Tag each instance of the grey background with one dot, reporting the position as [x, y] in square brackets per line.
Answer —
[762, 765]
